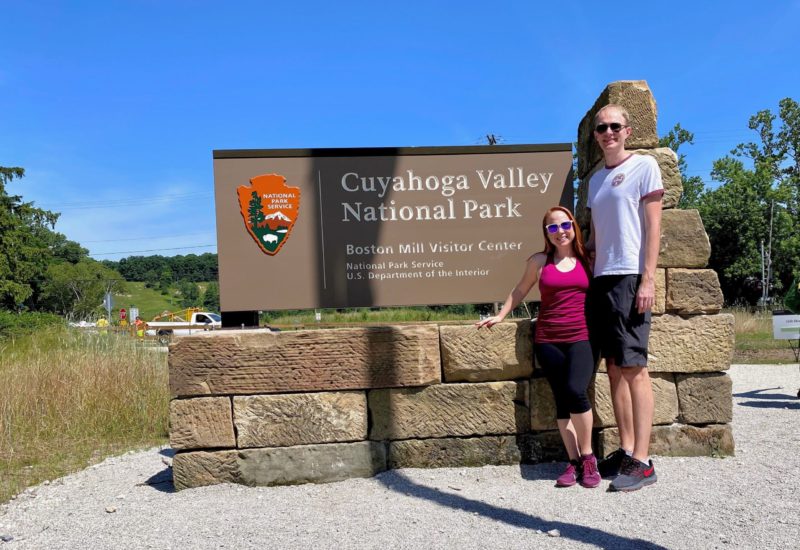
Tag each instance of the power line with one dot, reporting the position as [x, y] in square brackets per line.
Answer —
[162, 236]
[152, 250]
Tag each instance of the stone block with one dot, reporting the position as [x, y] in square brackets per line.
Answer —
[670, 174]
[677, 440]
[311, 463]
[705, 398]
[636, 97]
[661, 292]
[542, 404]
[300, 419]
[693, 291]
[503, 352]
[544, 446]
[202, 422]
[257, 361]
[684, 242]
[700, 343]
[454, 452]
[445, 410]
[664, 394]
[201, 468]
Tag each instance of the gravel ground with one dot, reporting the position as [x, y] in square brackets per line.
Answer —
[751, 500]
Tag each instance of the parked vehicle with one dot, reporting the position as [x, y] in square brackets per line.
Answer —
[182, 323]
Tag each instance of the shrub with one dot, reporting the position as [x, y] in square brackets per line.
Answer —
[14, 325]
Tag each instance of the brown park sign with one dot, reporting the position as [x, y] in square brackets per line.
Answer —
[334, 228]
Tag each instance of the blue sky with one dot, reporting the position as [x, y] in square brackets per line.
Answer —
[114, 108]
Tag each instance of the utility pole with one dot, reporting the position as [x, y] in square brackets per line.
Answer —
[769, 248]
[766, 260]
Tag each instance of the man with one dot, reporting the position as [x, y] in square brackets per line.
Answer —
[625, 202]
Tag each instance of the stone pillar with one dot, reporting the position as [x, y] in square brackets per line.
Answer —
[691, 342]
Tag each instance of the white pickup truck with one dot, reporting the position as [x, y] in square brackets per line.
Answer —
[198, 322]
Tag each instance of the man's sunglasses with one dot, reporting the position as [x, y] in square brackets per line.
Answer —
[615, 127]
[553, 227]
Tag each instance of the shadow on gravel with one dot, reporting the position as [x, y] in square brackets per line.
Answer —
[537, 472]
[771, 400]
[397, 482]
[793, 404]
[756, 394]
[162, 481]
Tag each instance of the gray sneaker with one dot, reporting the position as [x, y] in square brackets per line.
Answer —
[610, 466]
[633, 475]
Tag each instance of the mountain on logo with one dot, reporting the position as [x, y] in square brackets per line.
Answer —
[278, 216]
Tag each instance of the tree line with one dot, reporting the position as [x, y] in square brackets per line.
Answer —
[751, 214]
[166, 269]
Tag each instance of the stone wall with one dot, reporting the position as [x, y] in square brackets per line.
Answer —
[450, 396]
[261, 408]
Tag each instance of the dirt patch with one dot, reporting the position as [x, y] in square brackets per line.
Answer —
[744, 356]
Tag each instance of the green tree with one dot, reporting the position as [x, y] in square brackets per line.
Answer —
[166, 279]
[757, 205]
[190, 295]
[211, 297]
[693, 186]
[24, 255]
[255, 211]
[77, 290]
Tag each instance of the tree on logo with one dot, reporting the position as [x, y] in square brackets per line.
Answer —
[256, 212]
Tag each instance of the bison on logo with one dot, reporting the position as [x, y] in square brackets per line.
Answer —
[269, 208]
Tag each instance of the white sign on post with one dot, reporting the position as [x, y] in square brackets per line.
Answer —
[786, 327]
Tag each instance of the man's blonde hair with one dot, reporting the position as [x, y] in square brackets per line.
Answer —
[617, 107]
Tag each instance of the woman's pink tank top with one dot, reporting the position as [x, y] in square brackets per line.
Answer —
[562, 315]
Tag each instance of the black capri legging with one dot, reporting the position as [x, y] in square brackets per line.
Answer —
[569, 369]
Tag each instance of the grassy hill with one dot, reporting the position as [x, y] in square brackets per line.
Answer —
[150, 301]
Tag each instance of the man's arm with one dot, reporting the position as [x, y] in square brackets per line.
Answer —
[646, 295]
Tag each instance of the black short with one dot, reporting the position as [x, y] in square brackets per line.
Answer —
[616, 327]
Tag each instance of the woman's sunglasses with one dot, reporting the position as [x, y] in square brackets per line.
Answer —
[553, 227]
[615, 127]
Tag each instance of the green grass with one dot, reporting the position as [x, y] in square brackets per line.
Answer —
[150, 301]
[68, 399]
[754, 338]
[306, 318]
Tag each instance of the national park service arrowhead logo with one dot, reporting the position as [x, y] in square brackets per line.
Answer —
[269, 208]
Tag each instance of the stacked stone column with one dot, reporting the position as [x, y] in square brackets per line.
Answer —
[691, 342]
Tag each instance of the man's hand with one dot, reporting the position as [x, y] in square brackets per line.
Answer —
[646, 295]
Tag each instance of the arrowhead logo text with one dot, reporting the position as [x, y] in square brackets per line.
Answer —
[269, 208]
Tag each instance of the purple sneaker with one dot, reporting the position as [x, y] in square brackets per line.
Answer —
[590, 477]
[570, 475]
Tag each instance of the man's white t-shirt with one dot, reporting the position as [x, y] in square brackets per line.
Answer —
[616, 200]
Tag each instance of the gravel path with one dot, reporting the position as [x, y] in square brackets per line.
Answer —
[751, 500]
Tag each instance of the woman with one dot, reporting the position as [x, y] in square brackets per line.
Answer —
[562, 338]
